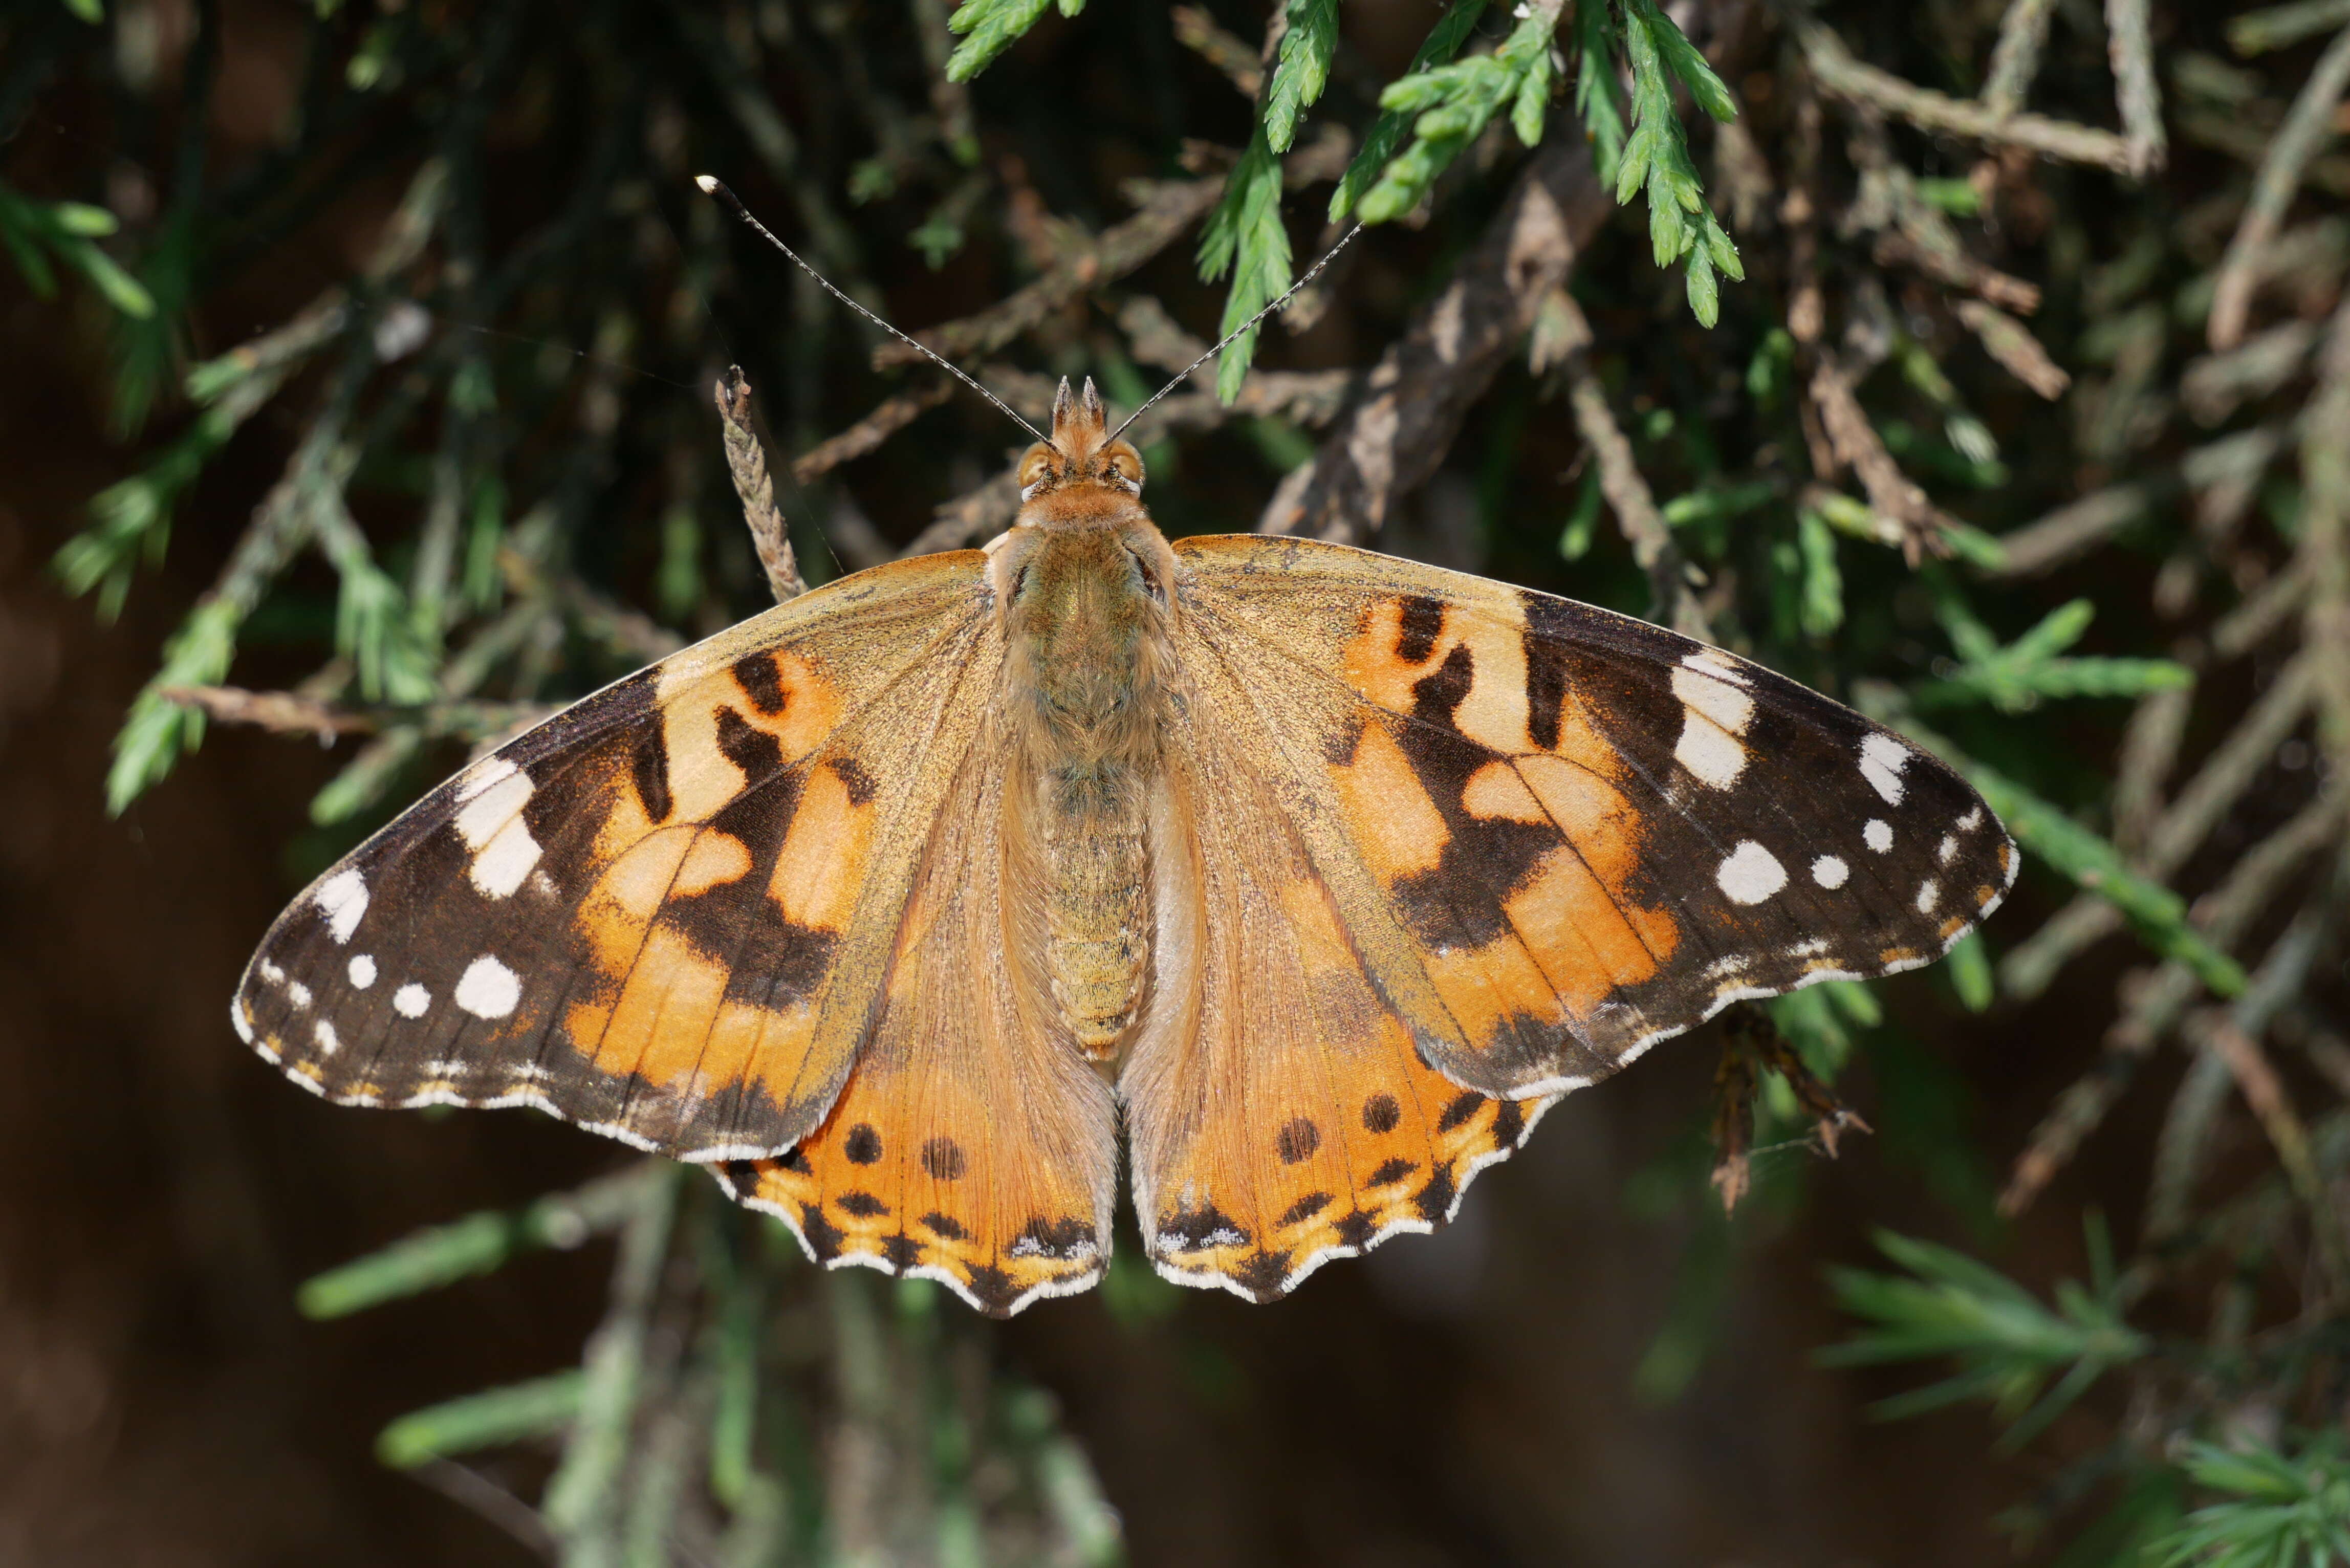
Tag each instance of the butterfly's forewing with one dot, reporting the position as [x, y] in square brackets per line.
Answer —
[666, 913]
[1278, 1114]
[973, 1144]
[1555, 834]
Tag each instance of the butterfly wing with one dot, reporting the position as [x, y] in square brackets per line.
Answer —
[1455, 848]
[666, 913]
[973, 1144]
[1278, 1114]
[1558, 835]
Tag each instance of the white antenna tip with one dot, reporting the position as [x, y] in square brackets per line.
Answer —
[709, 184]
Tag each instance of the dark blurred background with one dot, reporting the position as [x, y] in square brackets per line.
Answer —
[1591, 1365]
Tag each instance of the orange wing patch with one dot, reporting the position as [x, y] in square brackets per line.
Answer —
[1279, 1111]
[1478, 837]
[1557, 834]
[666, 913]
[972, 1143]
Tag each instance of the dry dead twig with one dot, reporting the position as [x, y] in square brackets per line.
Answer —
[1620, 480]
[1414, 400]
[2308, 127]
[1839, 73]
[1167, 208]
[1752, 1044]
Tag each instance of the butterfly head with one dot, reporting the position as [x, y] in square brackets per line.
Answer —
[1080, 467]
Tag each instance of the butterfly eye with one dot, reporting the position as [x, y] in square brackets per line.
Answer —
[1037, 472]
[1124, 467]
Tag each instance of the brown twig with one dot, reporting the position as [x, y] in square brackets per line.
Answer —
[1671, 598]
[286, 713]
[1892, 494]
[1197, 31]
[2149, 750]
[746, 460]
[2182, 1149]
[299, 713]
[2015, 58]
[2156, 999]
[2324, 549]
[2009, 342]
[1414, 397]
[2264, 1092]
[2076, 528]
[1167, 208]
[2130, 46]
[2308, 126]
[2211, 388]
[888, 417]
[1956, 268]
[2194, 812]
[971, 517]
[1751, 1043]
[1308, 397]
[1839, 73]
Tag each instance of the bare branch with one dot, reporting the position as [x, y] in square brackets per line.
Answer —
[2015, 58]
[1422, 387]
[888, 417]
[1620, 480]
[2009, 342]
[1839, 72]
[2130, 46]
[1196, 30]
[1167, 208]
[2308, 126]
[971, 517]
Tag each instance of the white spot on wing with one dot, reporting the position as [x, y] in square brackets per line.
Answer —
[1720, 663]
[1948, 847]
[491, 824]
[503, 864]
[1882, 758]
[1971, 821]
[239, 1022]
[1878, 836]
[488, 988]
[343, 897]
[298, 994]
[1927, 892]
[272, 973]
[411, 1000]
[1750, 874]
[1830, 872]
[324, 1033]
[483, 774]
[362, 972]
[1714, 714]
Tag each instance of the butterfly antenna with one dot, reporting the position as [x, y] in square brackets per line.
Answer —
[1311, 273]
[717, 188]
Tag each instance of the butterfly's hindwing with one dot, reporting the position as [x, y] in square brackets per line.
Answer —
[1279, 1112]
[972, 1145]
[665, 913]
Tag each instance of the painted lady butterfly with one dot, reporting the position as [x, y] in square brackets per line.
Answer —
[1321, 872]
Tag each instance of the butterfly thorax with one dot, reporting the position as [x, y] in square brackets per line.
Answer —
[1084, 584]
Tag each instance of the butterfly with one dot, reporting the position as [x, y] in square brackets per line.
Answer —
[1314, 875]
